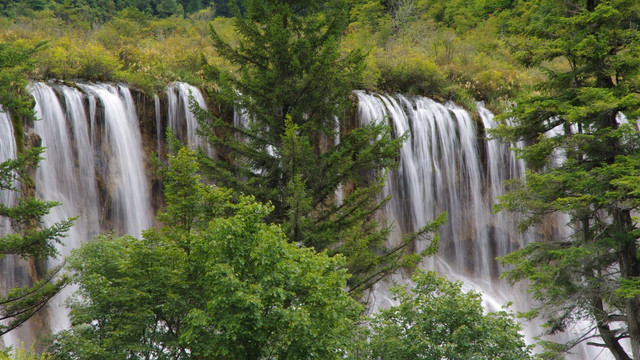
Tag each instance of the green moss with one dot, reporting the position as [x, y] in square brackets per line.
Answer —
[18, 132]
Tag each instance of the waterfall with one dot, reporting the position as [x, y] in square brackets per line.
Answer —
[7, 151]
[180, 118]
[439, 170]
[125, 163]
[15, 272]
[159, 129]
[96, 167]
[444, 167]
[74, 144]
[57, 180]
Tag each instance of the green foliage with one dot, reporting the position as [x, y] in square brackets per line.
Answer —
[411, 71]
[153, 44]
[28, 238]
[436, 320]
[294, 83]
[587, 170]
[15, 62]
[215, 282]
[411, 49]
[70, 59]
[23, 354]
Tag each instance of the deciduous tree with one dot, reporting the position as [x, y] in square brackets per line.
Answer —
[216, 282]
[436, 320]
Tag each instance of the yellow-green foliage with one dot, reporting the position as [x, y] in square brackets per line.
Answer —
[429, 50]
[71, 58]
[23, 354]
[132, 47]
[410, 69]
[432, 51]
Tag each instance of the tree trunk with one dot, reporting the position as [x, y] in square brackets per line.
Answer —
[629, 269]
[607, 336]
[633, 316]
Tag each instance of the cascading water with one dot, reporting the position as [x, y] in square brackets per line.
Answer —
[93, 138]
[125, 163]
[66, 175]
[159, 130]
[57, 180]
[15, 271]
[441, 169]
[180, 118]
[110, 137]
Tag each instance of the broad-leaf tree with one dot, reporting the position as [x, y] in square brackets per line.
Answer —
[216, 282]
[436, 320]
[295, 147]
[584, 161]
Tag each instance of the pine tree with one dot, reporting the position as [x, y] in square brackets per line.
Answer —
[584, 161]
[28, 237]
[294, 85]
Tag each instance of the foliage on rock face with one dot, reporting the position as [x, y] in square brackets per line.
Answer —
[460, 57]
[436, 320]
[15, 63]
[584, 161]
[293, 84]
[131, 47]
[25, 235]
[216, 282]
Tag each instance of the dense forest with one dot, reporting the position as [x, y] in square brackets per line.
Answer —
[253, 256]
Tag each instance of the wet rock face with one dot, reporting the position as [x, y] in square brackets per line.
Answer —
[152, 144]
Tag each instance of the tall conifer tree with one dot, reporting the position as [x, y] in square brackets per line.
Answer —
[294, 149]
[584, 161]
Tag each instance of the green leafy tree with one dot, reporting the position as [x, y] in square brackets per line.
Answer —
[27, 237]
[216, 282]
[293, 84]
[584, 161]
[436, 320]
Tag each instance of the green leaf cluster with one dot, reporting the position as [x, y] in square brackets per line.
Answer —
[215, 282]
[436, 320]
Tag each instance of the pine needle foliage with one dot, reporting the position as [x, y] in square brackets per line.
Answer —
[293, 148]
[584, 159]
